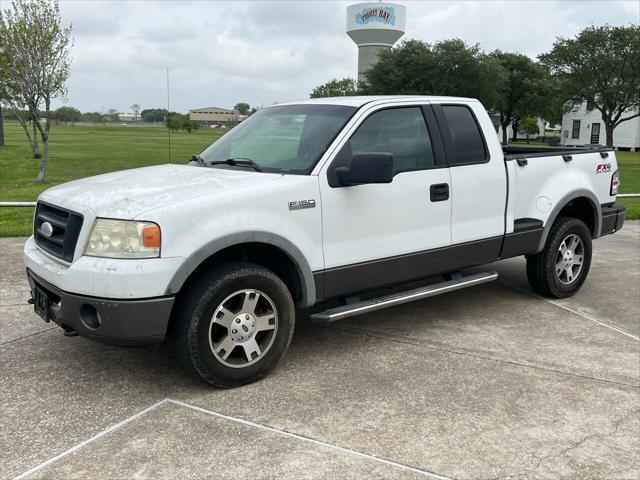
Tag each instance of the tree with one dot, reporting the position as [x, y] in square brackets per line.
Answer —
[190, 125]
[67, 114]
[552, 101]
[93, 117]
[529, 126]
[175, 121]
[520, 90]
[152, 115]
[336, 88]
[10, 98]
[449, 67]
[112, 115]
[135, 108]
[242, 108]
[601, 66]
[36, 49]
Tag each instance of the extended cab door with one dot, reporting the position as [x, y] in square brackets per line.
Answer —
[478, 179]
[376, 234]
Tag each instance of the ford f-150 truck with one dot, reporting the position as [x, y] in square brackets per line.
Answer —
[328, 199]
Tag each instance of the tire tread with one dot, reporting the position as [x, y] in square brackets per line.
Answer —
[184, 331]
[541, 266]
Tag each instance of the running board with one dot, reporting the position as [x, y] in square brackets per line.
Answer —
[346, 311]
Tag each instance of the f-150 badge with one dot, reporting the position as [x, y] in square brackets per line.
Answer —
[300, 204]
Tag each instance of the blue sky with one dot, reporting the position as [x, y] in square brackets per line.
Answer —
[261, 52]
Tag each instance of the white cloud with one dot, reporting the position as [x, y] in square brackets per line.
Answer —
[221, 53]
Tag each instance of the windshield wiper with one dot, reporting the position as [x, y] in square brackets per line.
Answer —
[238, 161]
[199, 160]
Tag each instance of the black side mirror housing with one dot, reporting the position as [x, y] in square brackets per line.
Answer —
[367, 168]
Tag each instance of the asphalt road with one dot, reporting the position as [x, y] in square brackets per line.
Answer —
[489, 382]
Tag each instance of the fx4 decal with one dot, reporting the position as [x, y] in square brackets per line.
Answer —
[603, 168]
[300, 204]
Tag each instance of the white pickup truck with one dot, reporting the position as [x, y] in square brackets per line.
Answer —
[329, 199]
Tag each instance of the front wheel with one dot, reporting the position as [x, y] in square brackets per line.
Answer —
[561, 268]
[234, 324]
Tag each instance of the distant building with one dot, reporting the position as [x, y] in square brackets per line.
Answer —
[214, 116]
[585, 127]
[127, 117]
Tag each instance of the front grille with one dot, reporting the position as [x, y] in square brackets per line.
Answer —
[66, 227]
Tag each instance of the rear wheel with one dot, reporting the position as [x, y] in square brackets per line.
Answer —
[234, 324]
[561, 268]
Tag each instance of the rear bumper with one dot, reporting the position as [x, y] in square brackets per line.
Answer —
[612, 219]
[121, 322]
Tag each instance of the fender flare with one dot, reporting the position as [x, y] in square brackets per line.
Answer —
[192, 262]
[595, 205]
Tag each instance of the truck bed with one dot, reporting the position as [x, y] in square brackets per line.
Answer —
[542, 179]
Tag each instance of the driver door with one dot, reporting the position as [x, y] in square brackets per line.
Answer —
[379, 234]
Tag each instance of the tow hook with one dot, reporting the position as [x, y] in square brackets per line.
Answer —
[68, 331]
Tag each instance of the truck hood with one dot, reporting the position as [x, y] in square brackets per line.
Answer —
[129, 193]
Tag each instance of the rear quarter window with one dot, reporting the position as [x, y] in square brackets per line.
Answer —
[466, 136]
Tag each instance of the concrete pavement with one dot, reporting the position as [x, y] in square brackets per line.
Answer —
[488, 382]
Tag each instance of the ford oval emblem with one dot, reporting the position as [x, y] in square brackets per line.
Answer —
[46, 229]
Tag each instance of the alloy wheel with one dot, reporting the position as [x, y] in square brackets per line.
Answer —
[243, 328]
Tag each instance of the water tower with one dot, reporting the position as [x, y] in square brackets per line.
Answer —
[374, 27]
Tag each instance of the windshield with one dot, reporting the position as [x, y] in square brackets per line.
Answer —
[287, 139]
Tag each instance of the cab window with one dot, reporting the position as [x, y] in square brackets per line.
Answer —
[399, 131]
[466, 136]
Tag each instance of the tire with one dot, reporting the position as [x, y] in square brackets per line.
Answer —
[252, 308]
[554, 272]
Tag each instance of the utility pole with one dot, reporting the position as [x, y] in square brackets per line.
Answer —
[168, 115]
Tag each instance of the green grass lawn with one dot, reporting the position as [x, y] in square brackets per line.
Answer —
[81, 151]
[629, 167]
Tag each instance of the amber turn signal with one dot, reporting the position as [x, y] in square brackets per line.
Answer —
[151, 236]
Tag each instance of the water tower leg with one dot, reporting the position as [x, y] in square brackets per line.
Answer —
[367, 58]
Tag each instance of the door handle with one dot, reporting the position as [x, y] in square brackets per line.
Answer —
[439, 192]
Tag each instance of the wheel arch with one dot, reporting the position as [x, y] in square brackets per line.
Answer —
[264, 248]
[581, 204]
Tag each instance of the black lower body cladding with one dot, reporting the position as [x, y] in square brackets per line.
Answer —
[612, 218]
[114, 321]
[367, 276]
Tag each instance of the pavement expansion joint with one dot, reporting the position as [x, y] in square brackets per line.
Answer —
[28, 336]
[247, 423]
[569, 309]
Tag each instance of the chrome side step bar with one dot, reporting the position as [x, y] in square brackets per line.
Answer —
[346, 311]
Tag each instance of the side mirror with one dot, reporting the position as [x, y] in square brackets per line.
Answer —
[367, 168]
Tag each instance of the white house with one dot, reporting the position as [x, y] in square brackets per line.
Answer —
[585, 127]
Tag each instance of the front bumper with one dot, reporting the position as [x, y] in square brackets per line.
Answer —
[121, 322]
[612, 218]
[103, 277]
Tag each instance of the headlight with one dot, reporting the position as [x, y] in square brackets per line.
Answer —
[124, 239]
